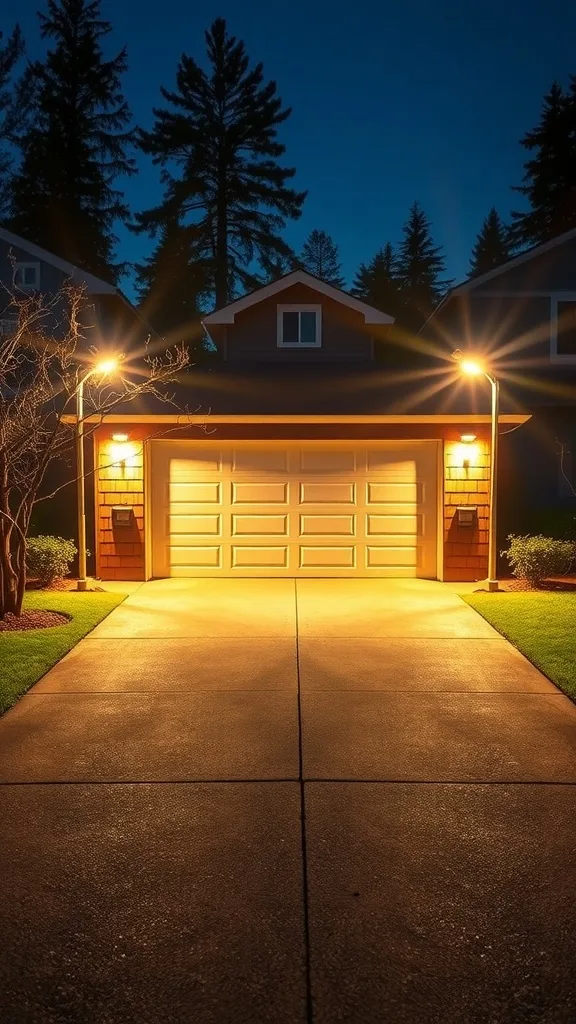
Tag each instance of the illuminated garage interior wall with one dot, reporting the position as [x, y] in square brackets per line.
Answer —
[466, 482]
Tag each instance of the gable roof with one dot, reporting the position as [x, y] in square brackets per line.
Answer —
[524, 257]
[516, 261]
[94, 285]
[227, 314]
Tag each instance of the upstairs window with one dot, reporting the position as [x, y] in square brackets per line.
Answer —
[27, 276]
[299, 326]
[563, 338]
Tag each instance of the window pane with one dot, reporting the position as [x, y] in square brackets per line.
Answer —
[29, 275]
[290, 328]
[567, 328]
[307, 328]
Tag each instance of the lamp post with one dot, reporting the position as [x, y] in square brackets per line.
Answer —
[107, 366]
[474, 368]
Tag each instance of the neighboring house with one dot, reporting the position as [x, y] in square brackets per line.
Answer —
[522, 317]
[306, 451]
[25, 268]
[110, 322]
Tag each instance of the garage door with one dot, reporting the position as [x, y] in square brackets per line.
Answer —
[305, 510]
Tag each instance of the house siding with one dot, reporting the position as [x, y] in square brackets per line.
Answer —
[513, 331]
[466, 548]
[551, 271]
[121, 552]
[253, 335]
[51, 278]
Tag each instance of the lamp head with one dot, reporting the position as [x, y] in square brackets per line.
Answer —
[471, 367]
[106, 367]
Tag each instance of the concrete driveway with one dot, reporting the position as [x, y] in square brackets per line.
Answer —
[269, 801]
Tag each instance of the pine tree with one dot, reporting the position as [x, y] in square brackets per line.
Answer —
[12, 107]
[420, 264]
[376, 282]
[492, 247]
[320, 257]
[171, 284]
[64, 194]
[216, 141]
[273, 266]
[549, 182]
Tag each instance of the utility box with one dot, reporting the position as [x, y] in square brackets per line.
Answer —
[122, 516]
[467, 517]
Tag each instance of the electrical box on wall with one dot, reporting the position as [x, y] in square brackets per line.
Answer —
[467, 516]
[122, 515]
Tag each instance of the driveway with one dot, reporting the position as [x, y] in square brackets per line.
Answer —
[259, 801]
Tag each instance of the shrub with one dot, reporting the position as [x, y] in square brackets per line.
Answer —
[538, 558]
[49, 558]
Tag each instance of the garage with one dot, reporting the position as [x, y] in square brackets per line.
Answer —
[293, 509]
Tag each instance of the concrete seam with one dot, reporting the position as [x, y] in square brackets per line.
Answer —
[307, 952]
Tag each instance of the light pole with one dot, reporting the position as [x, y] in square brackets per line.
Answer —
[474, 368]
[107, 366]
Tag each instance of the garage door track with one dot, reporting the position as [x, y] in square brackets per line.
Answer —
[279, 801]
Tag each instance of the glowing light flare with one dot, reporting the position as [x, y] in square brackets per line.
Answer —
[105, 367]
[122, 454]
[471, 368]
[465, 455]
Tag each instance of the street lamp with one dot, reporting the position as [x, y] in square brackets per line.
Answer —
[475, 368]
[104, 368]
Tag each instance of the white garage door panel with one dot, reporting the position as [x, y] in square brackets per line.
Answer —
[309, 509]
[261, 557]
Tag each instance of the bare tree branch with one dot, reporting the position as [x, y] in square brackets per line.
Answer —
[44, 357]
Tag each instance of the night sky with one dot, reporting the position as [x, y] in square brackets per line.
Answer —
[391, 103]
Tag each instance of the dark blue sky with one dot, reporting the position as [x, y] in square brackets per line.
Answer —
[391, 102]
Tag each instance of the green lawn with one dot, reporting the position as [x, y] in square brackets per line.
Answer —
[26, 656]
[542, 626]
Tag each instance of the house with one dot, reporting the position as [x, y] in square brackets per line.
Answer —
[522, 318]
[26, 267]
[109, 320]
[305, 451]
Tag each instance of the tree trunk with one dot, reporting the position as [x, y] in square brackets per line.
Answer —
[19, 560]
[221, 282]
[8, 579]
[12, 550]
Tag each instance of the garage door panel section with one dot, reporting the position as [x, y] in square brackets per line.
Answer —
[259, 494]
[260, 556]
[294, 510]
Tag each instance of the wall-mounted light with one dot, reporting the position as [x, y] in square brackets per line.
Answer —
[122, 452]
[465, 453]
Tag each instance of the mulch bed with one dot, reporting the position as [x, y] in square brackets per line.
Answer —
[62, 584]
[32, 620]
[559, 584]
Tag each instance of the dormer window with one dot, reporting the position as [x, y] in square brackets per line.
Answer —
[563, 336]
[27, 276]
[299, 326]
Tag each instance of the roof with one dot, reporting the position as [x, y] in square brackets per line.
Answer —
[227, 314]
[94, 285]
[337, 391]
[524, 257]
